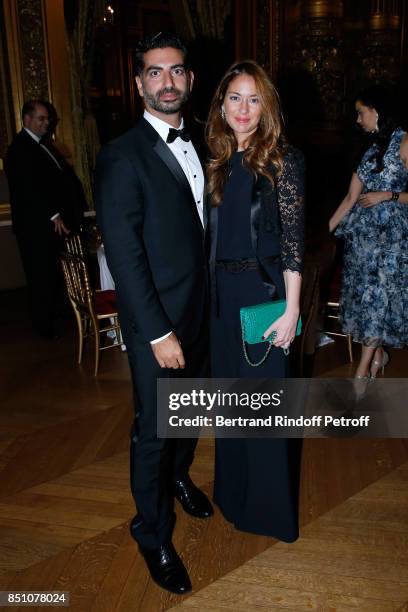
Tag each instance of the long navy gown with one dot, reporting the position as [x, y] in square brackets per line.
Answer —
[256, 480]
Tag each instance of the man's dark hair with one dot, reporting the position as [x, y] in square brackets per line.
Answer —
[158, 41]
[30, 105]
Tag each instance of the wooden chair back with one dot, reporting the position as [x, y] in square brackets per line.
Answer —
[76, 274]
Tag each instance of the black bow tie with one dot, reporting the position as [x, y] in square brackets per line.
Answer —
[184, 134]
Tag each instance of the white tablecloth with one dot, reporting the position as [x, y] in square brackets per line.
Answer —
[106, 279]
[106, 282]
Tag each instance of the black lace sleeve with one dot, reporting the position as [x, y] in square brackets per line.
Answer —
[291, 209]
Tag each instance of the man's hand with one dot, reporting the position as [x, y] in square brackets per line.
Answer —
[59, 226]
[169, 353]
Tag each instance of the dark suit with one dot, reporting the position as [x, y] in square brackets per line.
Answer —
[154, 243]
[39, 189]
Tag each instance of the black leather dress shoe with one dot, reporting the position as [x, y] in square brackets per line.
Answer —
[192, 499]
[167, 569]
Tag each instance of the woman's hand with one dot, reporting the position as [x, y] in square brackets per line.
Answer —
[285, 328]
[366, 200]
[354, 190]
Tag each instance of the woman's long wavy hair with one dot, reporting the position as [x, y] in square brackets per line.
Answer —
[266, 146]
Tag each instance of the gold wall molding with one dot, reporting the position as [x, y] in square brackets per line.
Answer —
[268, 35]
[59, 75]
[383, 42]
[322, 9]
[6, 128]
[12, 31]
[257, 30]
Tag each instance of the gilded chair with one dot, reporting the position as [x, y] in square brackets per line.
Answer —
[331, 313]
[331, 307]
[95, 311]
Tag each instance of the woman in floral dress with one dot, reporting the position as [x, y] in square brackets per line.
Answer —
[373, 221]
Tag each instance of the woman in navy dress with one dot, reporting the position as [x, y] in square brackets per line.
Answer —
[256, 189]
[373, 220]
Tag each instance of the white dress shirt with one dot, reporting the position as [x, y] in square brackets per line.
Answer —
[38, 139]
[187, 157]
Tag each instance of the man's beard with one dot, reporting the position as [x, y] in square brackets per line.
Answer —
[164, 106]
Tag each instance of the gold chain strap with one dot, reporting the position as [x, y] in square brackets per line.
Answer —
[264, 358]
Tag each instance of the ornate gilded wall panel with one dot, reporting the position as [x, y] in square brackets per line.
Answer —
[5, 117]
[13, 58]
[34, 63]
[208, 17]
[380, 61]
[258, 30]
[331, 46]
[263, 27]
[319, 52]
[26, 51]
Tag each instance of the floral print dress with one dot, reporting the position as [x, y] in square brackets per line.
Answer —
[374, 296]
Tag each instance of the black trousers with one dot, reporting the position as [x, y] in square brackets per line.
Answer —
[40, 258]
[256, 483]
[155, 463]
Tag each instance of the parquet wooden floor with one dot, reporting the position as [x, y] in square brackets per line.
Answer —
[65, 503]
[354, 557]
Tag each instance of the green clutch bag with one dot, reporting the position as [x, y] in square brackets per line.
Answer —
[255, 320]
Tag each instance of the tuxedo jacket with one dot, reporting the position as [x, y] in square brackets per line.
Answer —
[39, 189]
[153, 236]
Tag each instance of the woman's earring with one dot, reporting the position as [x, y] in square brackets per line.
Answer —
[376, 124]
[223, 113]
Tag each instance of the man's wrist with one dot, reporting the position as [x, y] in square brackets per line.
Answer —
[161, 338]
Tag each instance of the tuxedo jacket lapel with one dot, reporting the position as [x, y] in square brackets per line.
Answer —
[163, 151]
[171, 162]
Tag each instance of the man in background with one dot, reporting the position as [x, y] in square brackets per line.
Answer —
[47, 201]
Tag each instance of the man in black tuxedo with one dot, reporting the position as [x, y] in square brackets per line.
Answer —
[46, 201]
[149, 197]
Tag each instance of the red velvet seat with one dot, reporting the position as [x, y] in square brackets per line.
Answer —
[105, 302]
[95, 311]
[335, 284]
